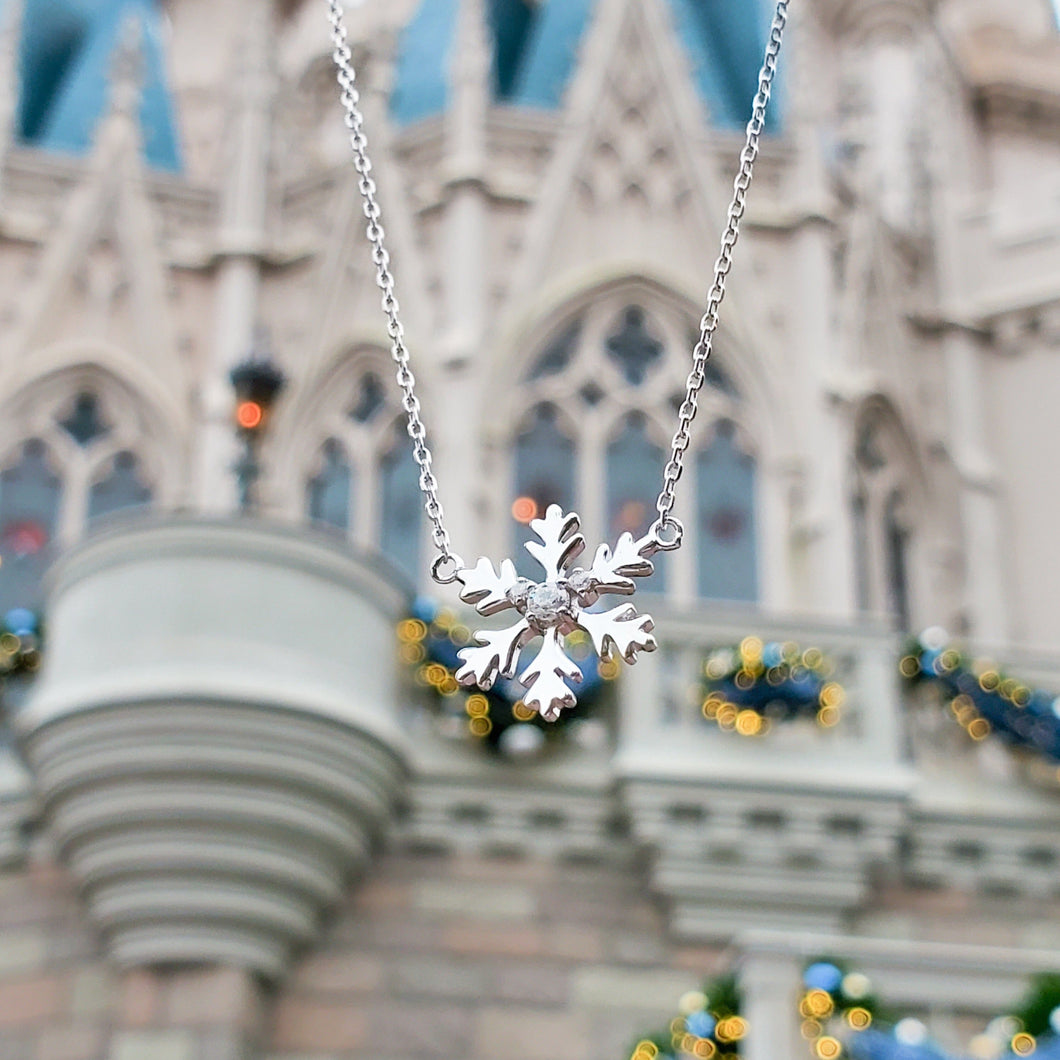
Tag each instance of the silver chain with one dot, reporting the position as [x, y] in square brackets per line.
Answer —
[666, 531]
[447, 564]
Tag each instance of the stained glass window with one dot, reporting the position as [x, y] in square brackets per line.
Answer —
[634, 463]
[557, 354]
[121, 488]
[616, 374]
[632, 348]
[544, 475]
[329, 491]
[400, 528]
[725, 488]
[371, 397]
[85, 422]
[30, 494]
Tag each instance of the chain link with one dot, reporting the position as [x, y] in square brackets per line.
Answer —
[447, 564]
[666, 531]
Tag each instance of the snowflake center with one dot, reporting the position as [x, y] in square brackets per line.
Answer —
[548, 603]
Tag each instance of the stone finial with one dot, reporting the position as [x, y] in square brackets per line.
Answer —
[10, 34]
[127, 68]
[469, 74]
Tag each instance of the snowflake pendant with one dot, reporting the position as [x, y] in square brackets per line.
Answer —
[554, 607]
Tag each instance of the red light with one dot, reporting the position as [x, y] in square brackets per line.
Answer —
[249, 415]
[524, 509]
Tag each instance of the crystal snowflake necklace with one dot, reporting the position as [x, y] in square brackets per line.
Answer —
[562, 601]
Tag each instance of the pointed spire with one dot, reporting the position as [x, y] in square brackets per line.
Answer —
[125, 83]
[10, 35]
[243, 200]
[469, 74]
[127, 68]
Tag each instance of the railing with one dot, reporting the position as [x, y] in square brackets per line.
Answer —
[662, 726]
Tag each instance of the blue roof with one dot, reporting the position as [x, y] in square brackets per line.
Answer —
[536, 48]
[66, 54]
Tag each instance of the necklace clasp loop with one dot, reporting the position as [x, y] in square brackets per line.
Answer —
[667, 533]
[446, 568]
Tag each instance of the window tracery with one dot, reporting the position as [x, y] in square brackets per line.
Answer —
[593, 432]
[70, 454]
[362, 480]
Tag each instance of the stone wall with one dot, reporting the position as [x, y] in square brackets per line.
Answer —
[430, 957]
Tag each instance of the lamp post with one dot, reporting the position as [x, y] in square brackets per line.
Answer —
[257, 381]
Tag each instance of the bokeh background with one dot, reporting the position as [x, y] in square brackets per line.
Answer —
[246, 813]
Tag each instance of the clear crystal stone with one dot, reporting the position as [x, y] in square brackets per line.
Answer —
[547, 603]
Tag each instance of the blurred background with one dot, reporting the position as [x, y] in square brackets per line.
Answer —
[246, 813]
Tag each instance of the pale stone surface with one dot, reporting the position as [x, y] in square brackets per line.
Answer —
[93, 991]
[604, 986]
[301, 1023]
[329, 973]
[76, 1042]
[476, 901]
[22, 951]
[522, 1033]
[28, 1001]
[153, 1045]
[222, 996]
[437, 977]
[141, 998]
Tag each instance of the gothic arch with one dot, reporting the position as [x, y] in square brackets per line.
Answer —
[341, 453]
[607, 368]
[105, 361]
[884, 19]
[134, 420]
[769, 417]
[77, 445]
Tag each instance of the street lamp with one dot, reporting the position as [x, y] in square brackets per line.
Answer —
[257, 382]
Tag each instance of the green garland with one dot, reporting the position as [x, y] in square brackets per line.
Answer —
[749, 688]
[984, 700]
[20, 644]
[835, 1000]
[842, 1019]
[709, 1026]
[497, 718]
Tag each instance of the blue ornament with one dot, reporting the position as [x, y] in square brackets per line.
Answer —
[822, 976]
[21, 621]
[424, 608]
[773, 654]
[701, 1024]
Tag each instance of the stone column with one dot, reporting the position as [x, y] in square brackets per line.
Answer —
[10, 35]
[770, 983]
[957, 245]
[821, 557]
[180, 1014]
[985, 599]
[241, 244]
[460, 372]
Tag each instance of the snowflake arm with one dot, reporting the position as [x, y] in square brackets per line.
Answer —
[547, 691]
[560, 541]
[486, 589]
[496, 654]
[613, 572]
[553, 607]
[621, 629]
